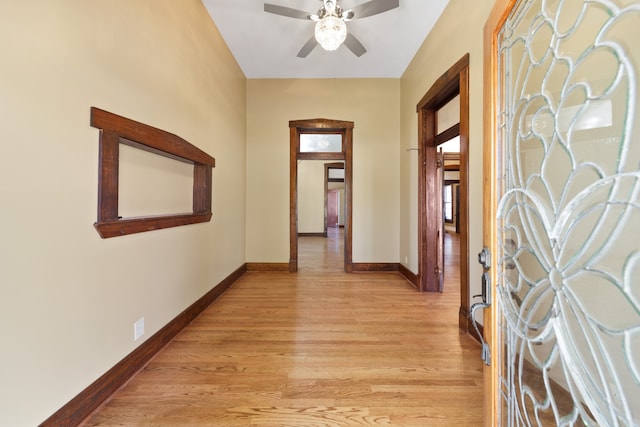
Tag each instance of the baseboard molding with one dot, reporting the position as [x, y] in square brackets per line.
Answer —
[268, 266]
[321, 234]
[463, 319]
[88, 400]
[466, 324]
[408, 274]
[361, 267]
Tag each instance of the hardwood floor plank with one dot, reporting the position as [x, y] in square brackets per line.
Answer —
[314, 348]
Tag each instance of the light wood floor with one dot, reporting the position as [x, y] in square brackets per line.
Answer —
[316, 348]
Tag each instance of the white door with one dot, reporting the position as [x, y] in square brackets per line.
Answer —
[562, 167]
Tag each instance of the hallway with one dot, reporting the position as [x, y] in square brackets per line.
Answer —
[315, 348]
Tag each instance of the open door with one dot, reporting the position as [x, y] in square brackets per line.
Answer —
[562, 213]
[439, 214]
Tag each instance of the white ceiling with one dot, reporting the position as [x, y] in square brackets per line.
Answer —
[265, 45]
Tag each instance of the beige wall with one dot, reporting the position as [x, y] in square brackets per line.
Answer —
[457, 32]
[373, 106]
[68, 299]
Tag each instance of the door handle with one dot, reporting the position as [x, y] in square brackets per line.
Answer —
[484, 258]
[486, 303]
[486, 353]
[486, 289]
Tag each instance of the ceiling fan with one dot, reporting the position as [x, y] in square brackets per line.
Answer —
[331, 29]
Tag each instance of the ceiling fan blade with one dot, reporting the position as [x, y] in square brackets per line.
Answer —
[285, 11]
[373, 7]
[307, 48]
[354, 45]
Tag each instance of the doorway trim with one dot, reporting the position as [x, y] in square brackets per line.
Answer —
[296, 128]
[453, 82]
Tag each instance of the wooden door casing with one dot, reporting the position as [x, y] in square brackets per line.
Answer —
[451, 83]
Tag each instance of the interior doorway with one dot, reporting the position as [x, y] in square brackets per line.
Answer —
[454, 83]
[320, 139]
[320, 216]
[334, 195]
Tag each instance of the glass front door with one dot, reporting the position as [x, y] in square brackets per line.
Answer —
[567, 213]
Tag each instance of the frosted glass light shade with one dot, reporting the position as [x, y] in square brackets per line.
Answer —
[331, 32]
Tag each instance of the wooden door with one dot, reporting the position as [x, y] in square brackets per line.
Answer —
[333, 204]
[562, 213]
[456, 203]
[439, 214]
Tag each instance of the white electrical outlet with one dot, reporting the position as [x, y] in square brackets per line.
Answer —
[406, 260]
[138, 329]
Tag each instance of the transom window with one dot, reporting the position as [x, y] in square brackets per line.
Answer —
[321, 143]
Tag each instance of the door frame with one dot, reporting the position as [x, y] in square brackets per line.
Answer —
[496, 19]
[296, 128]
[453, 82]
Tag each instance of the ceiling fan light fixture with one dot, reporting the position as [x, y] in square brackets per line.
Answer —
[330, 32]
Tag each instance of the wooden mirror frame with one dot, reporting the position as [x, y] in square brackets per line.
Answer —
[116, 130]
